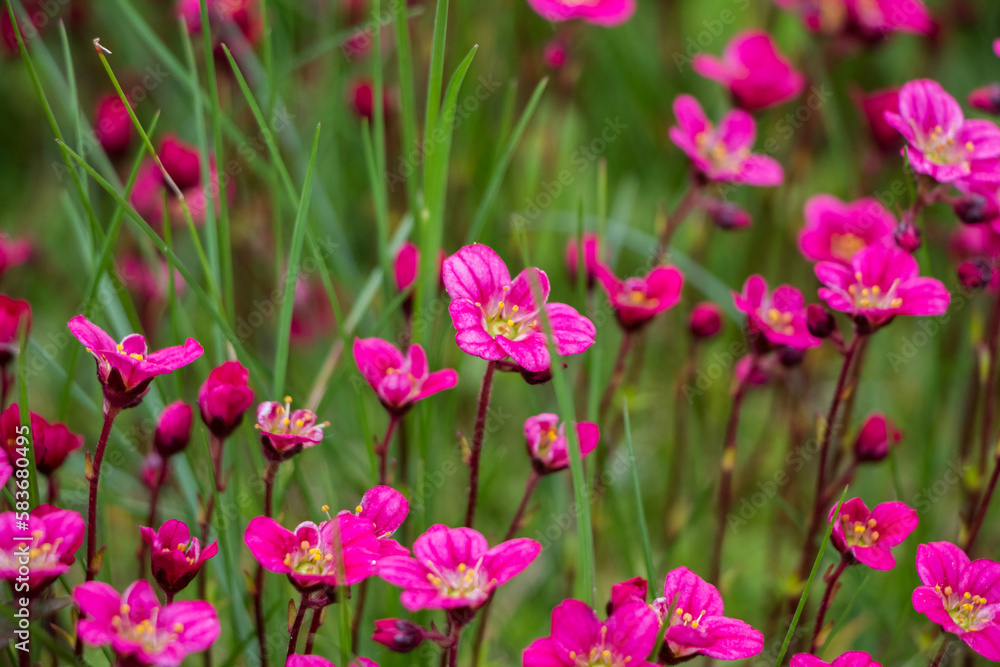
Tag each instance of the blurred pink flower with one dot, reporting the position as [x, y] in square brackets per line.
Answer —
[599, 12]
[52, 442]
[496, 317]
[866, 537]
[399, 380]
[173, 429]
[224, 397]
[182, 162]
[223, 17]
[637, 300]
[283, 432]
[757, 75]
[705, 320]
[112, 125]
[176, 556]
[591, 257]
[14, 314]
[986, 98]
[296, 660]
[398, 634]
[722, 153]
[12, 252]
[876, 437]
[869, 20]
[548, 446]
[835, 231]
[779, 316]
[849, 659]
[55, 535]
[874, 105]
[149, 470]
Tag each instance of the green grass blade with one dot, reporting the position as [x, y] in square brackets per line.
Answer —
[647, 549]
[407, 100]
[435, 77]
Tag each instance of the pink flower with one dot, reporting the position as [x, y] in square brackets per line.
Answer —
[406, 266]
[312, 314]
[696, 625]
[223, 16]
[55, 535]
[705, 320]
[779, 315]
[496, 317]
[866, 536]
[224, 397]
[722, 153]
[182, 162]
[52, 442]
[176, 556]
[6, 470]
[14, 314]
[757, 75]
[126, 369]
[386, 509]
[454, 568]
[297, 660]
[339, 552]
[591, 257]
[112, 125]
[986, 98]
[547, 443]
[882, 282]
[285, 433]
[872, 19]
[638, 300]
[836, 230]
[578, 637]
[630, 590]
[874, 105]
[173, 431]
[149, 470]
[139, 628]
[398, 634]
[943, 144]
[13, 253]
[875, 438]
[606, 13]
[960, 596]
[849, 659]
[399, 380]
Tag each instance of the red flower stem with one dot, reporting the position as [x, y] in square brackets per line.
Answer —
[618, 374]
[170, 596]
[941, 651]
[984, 504]
[151, 519]
[359, 613]
[6, 380]
[94, 475]
[258, 583]
[293, 634]
[382, 450]
[456, 635]
[53, 491]
[831, 590]
[269, 474]
[674, 220]
[989, 397]
[726, 471]
[477, 441]
[215, 451]
[317, 620]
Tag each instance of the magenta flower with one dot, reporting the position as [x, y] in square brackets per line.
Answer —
[139, 629]
[960, 596]
[6, 470]
[386, 509]
[112, 125]
[630, 590]
[882, 282]
[14, 313]
[591, 257]
[405, 266]
[606, 13]
[779, 316]
[876, 437]
[297, 660]
[696, 625]
[399, 380]
[126, 369]
[705, 320]
[55, 537]
[638, 300]
[722, 153]
[53, 442]
[398, 634]
[224, 397]
[757, 75]
[173, 431]
[313, 556]
[874, 105]
[943, 144]
[866, 537]
[149, 470]
[496, 317]
[986, 98]
[454, 568]
[548, 446]
[176, 556]
[835, 231]
[13, 252]
[223, 15]
[579, 637]
[849, 659]
[869, 20]
[283, 432]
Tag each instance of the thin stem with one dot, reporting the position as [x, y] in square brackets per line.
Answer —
[618, 374]
[941, 652]
[317, 620]
[477, 441]
[831, 590]
[359, 613]
[984, 504]
[989, 397]
[94, 475]
[215, 451]
[258, 589]
[674, 220]
[456, 636]
[269, 474]
[6, 380]
[151, 519]
[170, 596]
[293, 636]
[382, 450]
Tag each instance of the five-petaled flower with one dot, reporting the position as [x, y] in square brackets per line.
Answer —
[637, 300]
[54, 534]
[849, 659]
[400, 380]
[960, 595]
[454, 568]
[284, 432]
[386, 509]
[606, 13]
[866, 537]
[496, 317]
[548, 445]
[176, 556]
[779, 316]
[835, 231]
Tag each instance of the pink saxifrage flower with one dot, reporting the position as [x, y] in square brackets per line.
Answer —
[599, 12]
[869, 20]
[176, 556]
[722, 153]
[126, 369]
[386, 509]
[548, 445]
[835, 231]
[874, 105]
[591, 257]
[13, 252]
[942, 143]
[296, 660]
[696, 624]
[173, 430]
[882, 282]
[454, 568]
[224, 397]
[400, 380]
[14, 314]
[52, 442]
[284, 432]
[55, 536]
[849, 659]
[637, 300]
[139, 629]
[960, 595]
[757, 75]
[866, 537]
[779, 316]
[876, 437]
[496, 317]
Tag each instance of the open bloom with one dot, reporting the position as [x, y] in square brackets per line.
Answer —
[722, 153]
[176, 556]
[697, 626]
[960, 596]
[869, 20]
[126, 369]
[139, 629]
[224, 397]
[849, 659]
[297, 660]
[453, 568]
[54, 537]
[599, 12]
[283, 432]
[780, 316]
[579, 637]
[835, 231]
[942, 143]
[399, 380]
[548, 446]
[14, 313]
[386, 509]
[52, 442]
[882, 282]
[496, 317]
[757, 75]
[637, 300]
[339, 552]
[866, 537]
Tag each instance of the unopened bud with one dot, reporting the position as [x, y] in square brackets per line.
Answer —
[875, 438]
[819, 321]
[907, 237]
[973, 208]
[705, 320]
[728, 215]
[986, 98]
[398, 634]
[974, 274]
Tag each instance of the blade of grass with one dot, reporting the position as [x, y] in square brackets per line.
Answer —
[381, 207]
[647, 550]
[407, 100]
[435, 76]
[22, 379]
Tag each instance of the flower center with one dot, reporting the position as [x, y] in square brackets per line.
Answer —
[874, 297]
[42, 555]
[682, 617]
[462, 582]
[969, 611]
[779, 320]
[309, 559]
[859, 533]
[845, 246]
[146, 632]
[507, 320]
[600, 655]
[715, 150]
[940, 148]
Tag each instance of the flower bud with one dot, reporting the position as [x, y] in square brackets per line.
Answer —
[174, 429]
[555, 54]
[591, 257]
[974, 274]
[727, 215]
[819, 321]
[224, 397]
[973, 208]
[875, 438]
[705, 320]
[150, 470]
[398, 634]
[907, 237]
[986, 98]
[790, 357]
[750, 373]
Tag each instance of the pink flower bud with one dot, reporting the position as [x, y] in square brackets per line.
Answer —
[973, 208]
[908, 237]
[112, 125]
[986, 98]
[224, 397]
[974, 274]
[819, 321]
[705, 320]
[181, 161]
[877, 435]
[174, 429]
[727, 215]
[398, 634]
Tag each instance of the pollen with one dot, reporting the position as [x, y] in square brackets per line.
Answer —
[178, 627]
[136, 356]
[969, 146]
[288, 399]
[515, 309]
[120, 347]
[500, 305]
[324, 508]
